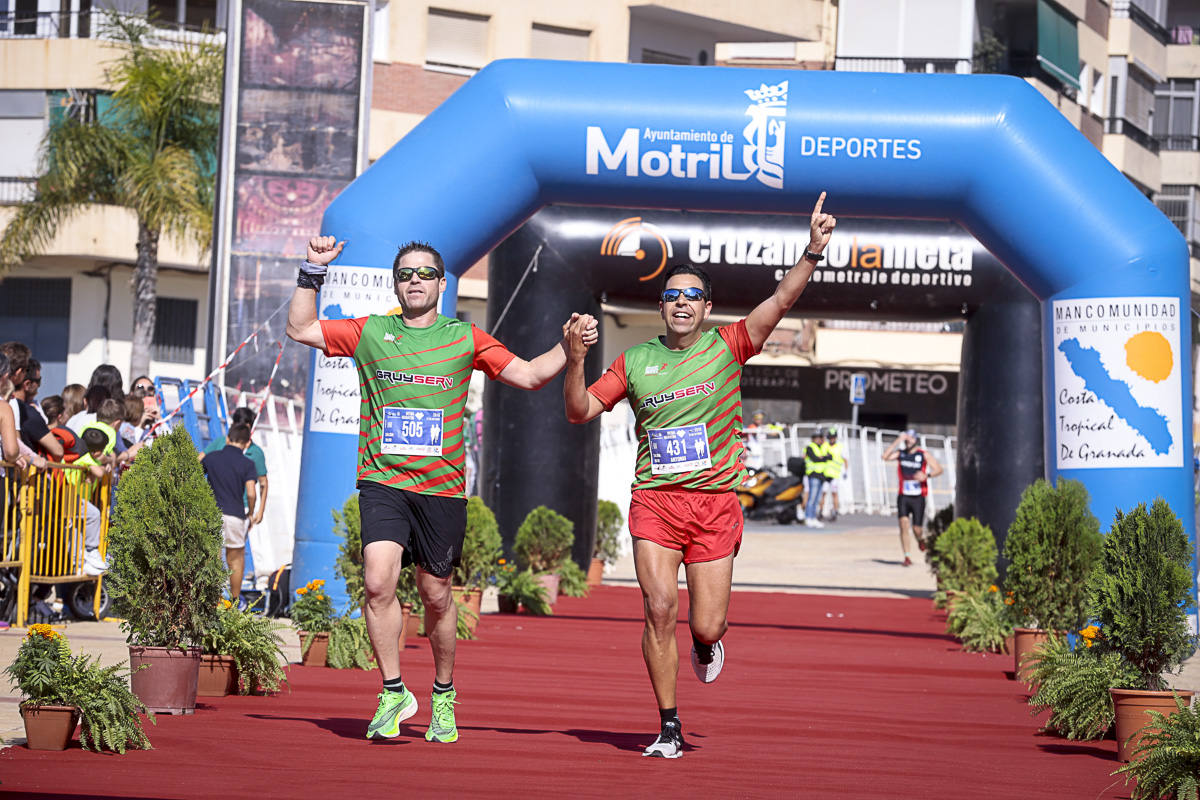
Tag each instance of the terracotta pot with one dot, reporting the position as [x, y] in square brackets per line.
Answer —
[315, 655]
[471, 599]
[218, 676]
[405, 615]
[506, 604]
[49, 727]
[1133, 707]
[596, 572]
[550, 581]
[169, 685]
[1025, 641]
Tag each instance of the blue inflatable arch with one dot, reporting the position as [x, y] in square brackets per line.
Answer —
[985, 151]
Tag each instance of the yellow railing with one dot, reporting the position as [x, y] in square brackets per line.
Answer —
[44, 524]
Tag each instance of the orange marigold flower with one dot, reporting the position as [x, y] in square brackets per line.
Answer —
[302, 590]
[1008, 601]
[993, 588]
[502, 561]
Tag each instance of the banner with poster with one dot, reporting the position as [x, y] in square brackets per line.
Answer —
[294, 137]
[1117, 375]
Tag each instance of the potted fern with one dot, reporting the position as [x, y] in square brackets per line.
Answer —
[608, 540]
[165, 571]
[349, 645]
[1167, 761]
[1138, 595]
[1073, 684]
[242, 653]
[520, 588]
[60, 691]
[1051, 546]
[542, 544]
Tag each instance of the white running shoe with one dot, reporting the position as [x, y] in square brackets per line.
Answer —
[94, 563]
[707, 673]
[669, 743]
[815, 523]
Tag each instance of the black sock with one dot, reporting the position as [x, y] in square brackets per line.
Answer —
[442, 688]
[666, 715]
[396, 684]
[703, 651]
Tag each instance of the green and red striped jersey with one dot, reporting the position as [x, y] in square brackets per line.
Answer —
[688, 406]
[413, 383]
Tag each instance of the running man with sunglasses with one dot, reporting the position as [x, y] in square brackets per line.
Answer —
[685, 389]
[413, 371]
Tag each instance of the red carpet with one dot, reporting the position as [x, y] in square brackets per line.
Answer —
[821, 697]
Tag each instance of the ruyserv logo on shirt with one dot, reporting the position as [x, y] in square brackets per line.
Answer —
[666, 397]
[416, 378]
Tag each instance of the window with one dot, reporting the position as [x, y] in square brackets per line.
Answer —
[1178, 202]
[456, 42]
[659, 57]
[1058, 44]
[174, 331]
[1175, 121]
[548, 41]
[196, 14]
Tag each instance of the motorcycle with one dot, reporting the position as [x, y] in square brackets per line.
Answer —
[765, 495]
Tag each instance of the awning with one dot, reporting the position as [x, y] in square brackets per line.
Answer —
[1058, 43]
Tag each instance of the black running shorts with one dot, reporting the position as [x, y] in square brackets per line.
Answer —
[428, 527]
[912, 505]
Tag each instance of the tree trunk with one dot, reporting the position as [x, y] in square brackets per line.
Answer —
[145, 300]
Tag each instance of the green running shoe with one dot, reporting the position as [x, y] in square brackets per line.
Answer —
[394, 708]
[441, 726]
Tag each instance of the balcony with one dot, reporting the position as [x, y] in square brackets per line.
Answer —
[1124, 127]
[14, 191]
[87, 25]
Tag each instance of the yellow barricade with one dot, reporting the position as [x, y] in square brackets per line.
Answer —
[45, 518]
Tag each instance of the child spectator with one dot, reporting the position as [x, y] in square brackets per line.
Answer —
[233, 477]
[56, 416]
[92, 398]
[95, 441]
[108, 417]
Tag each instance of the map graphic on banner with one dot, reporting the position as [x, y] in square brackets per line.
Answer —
[1117, 382]
[349, 292]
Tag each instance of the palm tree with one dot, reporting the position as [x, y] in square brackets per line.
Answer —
[154, 152]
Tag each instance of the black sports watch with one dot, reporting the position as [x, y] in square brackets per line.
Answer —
[816, 258]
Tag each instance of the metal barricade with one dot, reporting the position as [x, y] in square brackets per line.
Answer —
[45, 519]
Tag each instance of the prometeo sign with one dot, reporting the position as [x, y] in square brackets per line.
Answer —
[922, 396]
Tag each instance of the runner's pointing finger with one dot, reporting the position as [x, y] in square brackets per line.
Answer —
[817, 208]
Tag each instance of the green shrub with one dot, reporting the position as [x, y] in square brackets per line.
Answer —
[1073, 686]
[965, 555]
[482, 547]
[1167, 762]
[980, 622]
[572, 580]
[1140, 590]
[349, 645]
[1052, 545]
[608, 531]
[164, 547]
[544, 540]
[349, 564]
[936, 527]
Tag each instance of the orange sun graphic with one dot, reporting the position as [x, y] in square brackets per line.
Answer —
[1149, 354]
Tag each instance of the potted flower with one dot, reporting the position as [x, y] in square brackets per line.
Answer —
[542, 543]
[1138, 594]
[60, 690]
[1051, 545]
[242, 653]
[482, 547]
[349, 564]
[165, 571]
[519, 588]
[608, 540]
[312, 616]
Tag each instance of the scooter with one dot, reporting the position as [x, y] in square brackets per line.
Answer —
[765, 495]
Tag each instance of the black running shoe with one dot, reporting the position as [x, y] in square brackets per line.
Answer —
[669, 743]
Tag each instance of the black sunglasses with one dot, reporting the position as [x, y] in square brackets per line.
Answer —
[691, 293]
[404, 274]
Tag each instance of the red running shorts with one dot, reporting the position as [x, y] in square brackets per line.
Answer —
[705, 527]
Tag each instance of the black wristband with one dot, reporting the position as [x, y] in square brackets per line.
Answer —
[306, 281]
[816, 258]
